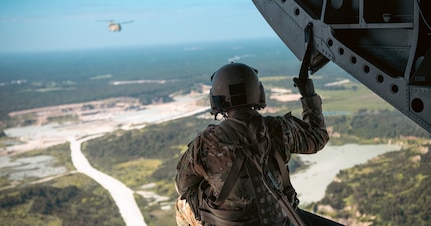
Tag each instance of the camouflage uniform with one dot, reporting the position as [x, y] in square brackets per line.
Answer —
[211, 155]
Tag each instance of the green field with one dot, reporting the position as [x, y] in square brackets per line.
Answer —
[353, 114]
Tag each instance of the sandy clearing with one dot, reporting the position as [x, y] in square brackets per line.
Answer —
[102, 121]
[285, 97]
[98, 123]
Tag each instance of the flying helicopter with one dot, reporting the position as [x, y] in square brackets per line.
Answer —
[114, 27]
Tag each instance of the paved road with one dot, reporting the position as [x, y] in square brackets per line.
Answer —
[122, 195]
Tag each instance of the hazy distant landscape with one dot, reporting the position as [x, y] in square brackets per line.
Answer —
[30, 80]
[92, 89]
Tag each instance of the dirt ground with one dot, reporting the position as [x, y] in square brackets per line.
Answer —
[55, 125]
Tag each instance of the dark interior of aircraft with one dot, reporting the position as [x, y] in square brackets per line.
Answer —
[386, 44]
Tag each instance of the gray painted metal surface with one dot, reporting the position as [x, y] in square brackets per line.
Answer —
[385, 44]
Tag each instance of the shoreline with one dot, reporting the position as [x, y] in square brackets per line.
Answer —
[311, 183]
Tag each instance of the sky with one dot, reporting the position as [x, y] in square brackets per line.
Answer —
[45, 25]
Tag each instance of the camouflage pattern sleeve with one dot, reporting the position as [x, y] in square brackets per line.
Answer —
[187, 179]
[309, 135]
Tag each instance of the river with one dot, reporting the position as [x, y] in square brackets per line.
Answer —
[311, 183]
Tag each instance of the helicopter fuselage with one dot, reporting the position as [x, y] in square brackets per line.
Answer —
[114, 27]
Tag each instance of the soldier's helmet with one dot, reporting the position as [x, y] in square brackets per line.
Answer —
[236, 85]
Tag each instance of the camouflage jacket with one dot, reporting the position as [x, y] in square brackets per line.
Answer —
[211, 154]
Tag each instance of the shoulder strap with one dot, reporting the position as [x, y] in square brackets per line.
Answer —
[282, 200]
[234, 171]
[228, 129]
[230, 180]
[282, 168]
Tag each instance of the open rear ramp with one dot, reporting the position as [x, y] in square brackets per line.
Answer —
[385, 44]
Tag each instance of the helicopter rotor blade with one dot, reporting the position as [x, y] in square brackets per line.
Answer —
[126, 22]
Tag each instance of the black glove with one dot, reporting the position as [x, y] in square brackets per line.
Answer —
[306, 88]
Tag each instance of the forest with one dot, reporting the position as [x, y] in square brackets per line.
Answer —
[390, 190]
[375, 124]
[47, 79]
[159, 142]
[163, 141]
[73, 200]
[35, 80]
[394, 182]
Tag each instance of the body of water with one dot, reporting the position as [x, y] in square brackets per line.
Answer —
[311, 183]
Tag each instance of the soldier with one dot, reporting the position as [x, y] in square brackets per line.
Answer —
[236, 173]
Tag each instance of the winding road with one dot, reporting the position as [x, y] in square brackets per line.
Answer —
[96, 125]
[122, 195]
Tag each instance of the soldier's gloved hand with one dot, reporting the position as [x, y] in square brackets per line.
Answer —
[305, 88]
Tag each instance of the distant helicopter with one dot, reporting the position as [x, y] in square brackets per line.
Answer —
[114, 27]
